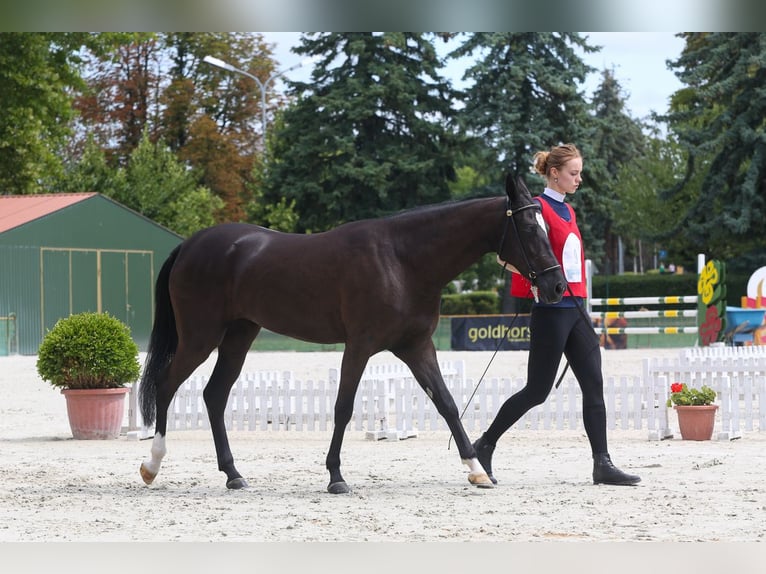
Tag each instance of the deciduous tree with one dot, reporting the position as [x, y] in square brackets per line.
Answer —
[38, 71]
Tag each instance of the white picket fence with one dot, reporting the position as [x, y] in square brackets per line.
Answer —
[390, 404]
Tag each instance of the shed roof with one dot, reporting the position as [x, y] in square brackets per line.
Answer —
[16, 210]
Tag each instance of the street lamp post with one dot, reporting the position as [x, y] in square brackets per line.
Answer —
[261, 85]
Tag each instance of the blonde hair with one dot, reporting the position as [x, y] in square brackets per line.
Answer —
[556, 157]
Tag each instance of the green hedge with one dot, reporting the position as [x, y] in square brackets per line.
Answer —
[474, 303]
[646, 285]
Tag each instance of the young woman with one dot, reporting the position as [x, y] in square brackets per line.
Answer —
[562, 328]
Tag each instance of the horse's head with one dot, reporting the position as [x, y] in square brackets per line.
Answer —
[526, 247]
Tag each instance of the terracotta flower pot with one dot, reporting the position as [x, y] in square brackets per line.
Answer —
[95, 413]
[696, 422]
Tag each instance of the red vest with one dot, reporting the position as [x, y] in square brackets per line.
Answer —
[566, 242]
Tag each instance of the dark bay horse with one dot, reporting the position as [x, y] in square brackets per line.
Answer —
[373, 285]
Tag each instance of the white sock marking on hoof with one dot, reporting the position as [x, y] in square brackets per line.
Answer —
[477, 475]
[158, 452]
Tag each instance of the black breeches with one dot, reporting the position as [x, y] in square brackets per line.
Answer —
[557, 332]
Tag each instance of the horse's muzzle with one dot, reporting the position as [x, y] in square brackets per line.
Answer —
[552, 294]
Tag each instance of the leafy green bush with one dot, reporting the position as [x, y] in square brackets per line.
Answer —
[88, 351]
[473, 303]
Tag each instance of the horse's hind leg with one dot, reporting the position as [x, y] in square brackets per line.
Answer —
[180, 368]
[422, 362]
[231, 356]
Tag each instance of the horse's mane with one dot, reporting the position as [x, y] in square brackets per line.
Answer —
[434, 208]
[429, 211]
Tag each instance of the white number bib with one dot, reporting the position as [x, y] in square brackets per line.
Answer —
[571, 259]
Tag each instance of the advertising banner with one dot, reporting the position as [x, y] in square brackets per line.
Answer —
[485, 333]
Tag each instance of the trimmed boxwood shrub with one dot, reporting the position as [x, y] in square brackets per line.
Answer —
[88, 351]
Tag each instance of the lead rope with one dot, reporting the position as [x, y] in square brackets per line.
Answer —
[533, 289]
[497, 348]
[492, 358]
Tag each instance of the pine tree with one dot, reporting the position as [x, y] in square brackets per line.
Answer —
[160, 187]
[719, 119]
[523, 97]
[616, 140]
[524, 94]
[368, 135]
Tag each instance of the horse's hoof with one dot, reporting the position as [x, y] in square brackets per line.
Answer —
[148, 477]
[338, 488]
[480, 479]
[236, 483]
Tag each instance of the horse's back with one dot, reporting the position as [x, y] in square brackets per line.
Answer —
[212, 258]
[286, 282]
[222, 235]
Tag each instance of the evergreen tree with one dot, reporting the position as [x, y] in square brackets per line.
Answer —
[90, 172]
[523, 95]
[160, 187]
[368, 134]
[719, 119]
[615, 140]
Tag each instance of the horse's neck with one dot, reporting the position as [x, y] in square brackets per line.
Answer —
[457, 235]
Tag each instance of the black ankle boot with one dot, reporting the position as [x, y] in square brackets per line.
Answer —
[484, 452]
[604, 472]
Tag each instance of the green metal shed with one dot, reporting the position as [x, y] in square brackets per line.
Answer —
[69, 253]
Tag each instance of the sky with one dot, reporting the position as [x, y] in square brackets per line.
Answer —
[638, 60]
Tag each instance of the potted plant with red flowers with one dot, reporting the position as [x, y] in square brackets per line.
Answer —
[696, 413]
[90, 356]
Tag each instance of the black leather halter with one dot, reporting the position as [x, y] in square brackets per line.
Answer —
[509, 213]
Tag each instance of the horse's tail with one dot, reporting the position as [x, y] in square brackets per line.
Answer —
[162, 342]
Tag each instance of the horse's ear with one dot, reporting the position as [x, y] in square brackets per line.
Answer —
[510, 185]
[515, 186]
[521, 188]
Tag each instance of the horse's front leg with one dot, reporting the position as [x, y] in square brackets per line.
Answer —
[216, 396]
[425, 367]
[351, 371]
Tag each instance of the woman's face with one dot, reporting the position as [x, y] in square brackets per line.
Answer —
[569, 176]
